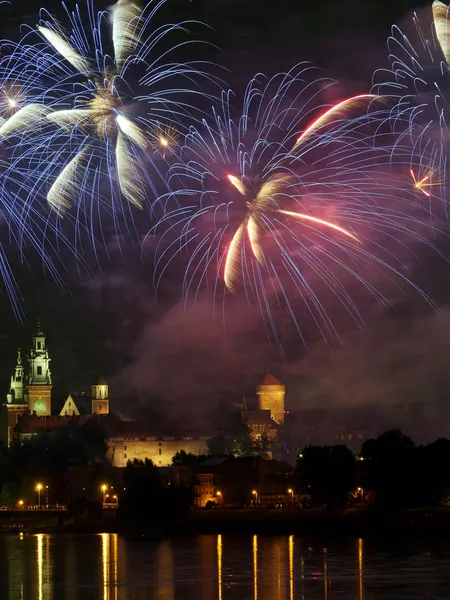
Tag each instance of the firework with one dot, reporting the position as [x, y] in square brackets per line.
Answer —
[285, 205]
[418, 83]
[109, 96]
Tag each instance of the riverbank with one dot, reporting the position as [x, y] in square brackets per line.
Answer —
[353, 522]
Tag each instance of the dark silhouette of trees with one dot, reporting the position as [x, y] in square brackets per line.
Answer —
[239, 443]
[403, 475]
[327, 473]
[186, 459]
[390, 469]
[145, 497]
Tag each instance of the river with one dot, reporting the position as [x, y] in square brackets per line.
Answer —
[108, 567]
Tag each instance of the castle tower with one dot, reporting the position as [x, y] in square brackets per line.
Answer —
[271, 397]
[39, 377]
[16, 404]
[99, 395]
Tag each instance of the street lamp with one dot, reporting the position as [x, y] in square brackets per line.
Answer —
[46, 498]
[291, 492]
[219, 495]
[103, 488]
[361, 491]
[255, 493]
[39, 487]
[20, 503]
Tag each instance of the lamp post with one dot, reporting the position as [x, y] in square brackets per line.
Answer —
[103, 488]
[46, 497]
[20, 503]
[291, 492]
[39, 487]
[255, 493]
[361, 491]
[219, 495]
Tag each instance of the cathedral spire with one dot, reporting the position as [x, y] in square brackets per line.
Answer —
[15, 394]
[39, 375]
[39, 327]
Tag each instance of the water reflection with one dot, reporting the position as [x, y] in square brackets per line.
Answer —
[43, 567]
[165, 571]
[224, 567]
[109, 566]
[255, 567]
[219, 566]
[360, 568]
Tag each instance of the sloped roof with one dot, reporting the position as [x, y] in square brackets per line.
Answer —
[83, 402]
[270, 379]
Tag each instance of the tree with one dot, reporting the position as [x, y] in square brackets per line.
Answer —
[435, 478]
[391, 469]
[146, 499]
[240, 443]
[185, 459]
[328, 473]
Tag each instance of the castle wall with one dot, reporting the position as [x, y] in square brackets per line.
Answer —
[159, 450]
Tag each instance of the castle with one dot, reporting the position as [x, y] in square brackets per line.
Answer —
[30, 410]
[30, 391]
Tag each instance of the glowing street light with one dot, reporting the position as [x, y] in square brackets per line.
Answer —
[361, 491]
[255, 493]
[20, 503]
[219, 495]
[39, 487]
[291, 492]
[103, 489]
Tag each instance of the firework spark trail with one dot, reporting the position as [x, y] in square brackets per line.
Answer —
[280, 202]
[417, 84]
[27, 229]
[110, 100]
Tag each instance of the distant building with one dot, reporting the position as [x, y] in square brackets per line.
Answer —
[128, 445]
[271, 394]
[29, 399]
[268, 417]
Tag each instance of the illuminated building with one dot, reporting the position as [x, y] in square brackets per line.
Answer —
[29, 399]
[39, 388]
[271, 394]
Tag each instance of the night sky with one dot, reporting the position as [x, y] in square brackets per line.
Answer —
[161, 354]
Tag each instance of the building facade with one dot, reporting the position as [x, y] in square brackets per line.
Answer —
[271, 394]
[30, 394]
[160, 450]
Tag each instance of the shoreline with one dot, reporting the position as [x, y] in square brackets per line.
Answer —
[353, 522]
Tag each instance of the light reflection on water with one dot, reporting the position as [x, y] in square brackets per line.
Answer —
[107, 567]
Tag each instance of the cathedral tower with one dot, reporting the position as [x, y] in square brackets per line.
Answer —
[16, 404]
[271, 397]
[39, 377]
[99, 395]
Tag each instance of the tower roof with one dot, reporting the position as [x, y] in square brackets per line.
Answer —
[101, 380]
[270, 379]
[39, 330]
